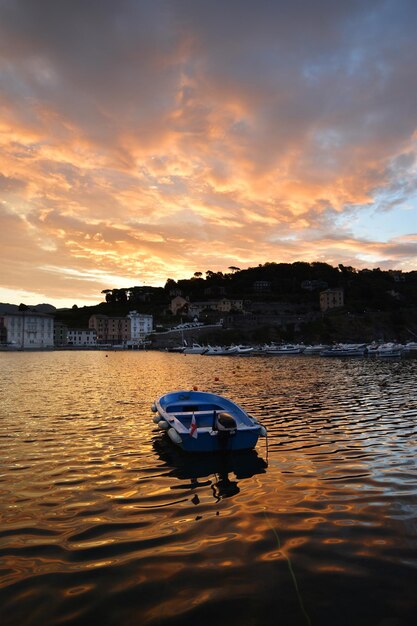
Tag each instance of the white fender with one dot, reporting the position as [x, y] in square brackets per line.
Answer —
[153, 408]
[174, 436]
[156, 419]
[163, 425]
[262, 431]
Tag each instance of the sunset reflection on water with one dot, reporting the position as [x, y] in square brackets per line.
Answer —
[102, 519]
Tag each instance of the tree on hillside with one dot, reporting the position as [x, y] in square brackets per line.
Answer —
[108, 294]
[116, 295]
[134, 294]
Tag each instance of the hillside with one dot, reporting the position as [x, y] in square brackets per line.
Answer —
[281, 302]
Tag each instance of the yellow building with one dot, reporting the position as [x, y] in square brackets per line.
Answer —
[331, 299]
[225, 305]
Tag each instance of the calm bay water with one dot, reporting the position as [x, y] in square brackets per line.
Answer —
[102, 521]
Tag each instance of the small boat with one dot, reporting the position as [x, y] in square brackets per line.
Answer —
[198, 421]
[220, 351]
[283, 349]
[372, 348]
[390, 350]
[195, 348]
[317, 348]
[346, 349]
[243, 350]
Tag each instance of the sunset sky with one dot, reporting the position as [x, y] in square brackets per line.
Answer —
[146, 139]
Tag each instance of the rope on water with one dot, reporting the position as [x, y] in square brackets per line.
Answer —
[292, 574]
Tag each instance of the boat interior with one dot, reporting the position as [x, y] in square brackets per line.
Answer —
[204, 415]
[192, 408]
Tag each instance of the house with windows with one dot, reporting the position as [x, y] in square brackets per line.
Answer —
[127, 331]
[110, 330]
[224, 305]
[262, 285]
[331, 299]
[27, 330]
[178, 305]
[141, 325]
[81, 337]
[60, 333]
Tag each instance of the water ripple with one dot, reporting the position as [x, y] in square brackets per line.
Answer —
[103, 521]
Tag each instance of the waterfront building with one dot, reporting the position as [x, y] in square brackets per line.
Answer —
[110, 330]
[331, 299]
[60, 334]
[3, 332]
[82, 337]
[27, 330]
[141, 325]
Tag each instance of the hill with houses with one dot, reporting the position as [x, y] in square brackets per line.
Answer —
[271, 302]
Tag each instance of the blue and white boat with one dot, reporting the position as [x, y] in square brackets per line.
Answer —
[198, 421]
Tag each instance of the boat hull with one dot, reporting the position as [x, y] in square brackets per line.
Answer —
[209, 442]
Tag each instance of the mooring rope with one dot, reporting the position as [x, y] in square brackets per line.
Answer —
[300, 600]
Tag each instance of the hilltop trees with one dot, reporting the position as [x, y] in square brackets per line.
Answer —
[297, 283]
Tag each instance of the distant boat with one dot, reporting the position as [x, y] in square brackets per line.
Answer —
[198, 421]
[315, 349]
[345, 349]
[372, 349]
[410, 347]
[221, 351]
[242, 349]
[389, 350]
[228, 350]
[195, 348]
[283, 349]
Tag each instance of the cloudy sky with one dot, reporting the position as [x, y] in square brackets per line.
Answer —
[147, 139]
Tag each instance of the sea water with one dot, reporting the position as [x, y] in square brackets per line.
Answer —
[104, 521]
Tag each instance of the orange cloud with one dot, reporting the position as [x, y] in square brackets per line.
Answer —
[162, 146]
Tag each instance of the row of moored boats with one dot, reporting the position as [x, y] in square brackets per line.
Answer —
[390, 349]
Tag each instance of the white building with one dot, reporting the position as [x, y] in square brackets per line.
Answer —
[28, 329]
[81, 337]
[141, 325]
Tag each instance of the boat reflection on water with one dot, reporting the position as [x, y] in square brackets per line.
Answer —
[219, 471]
